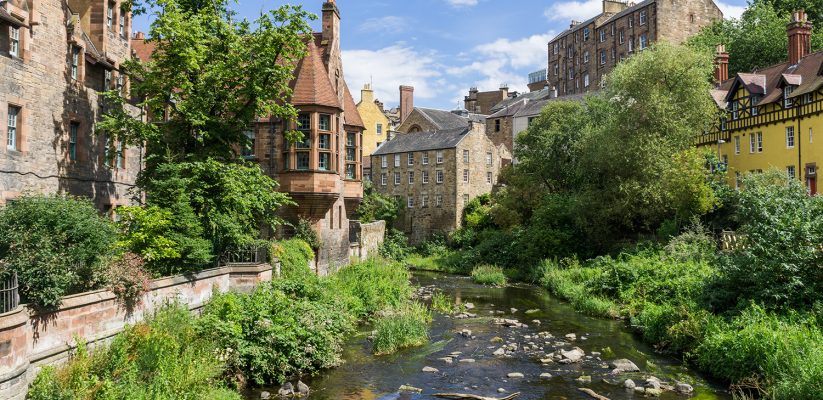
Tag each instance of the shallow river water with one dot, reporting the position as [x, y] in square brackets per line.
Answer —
[364, 376]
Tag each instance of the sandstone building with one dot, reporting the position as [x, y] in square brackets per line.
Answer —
[582, 55]
[377, 124]
[56, 60]
[500, 124]
[478, 102]
[433, 175]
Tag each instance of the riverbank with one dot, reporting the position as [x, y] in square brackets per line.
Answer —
[661, 294]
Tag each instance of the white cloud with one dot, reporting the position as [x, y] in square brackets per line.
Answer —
[729, 10]
[389, 68]
[462, 3]
[574, 10]
[389, 24]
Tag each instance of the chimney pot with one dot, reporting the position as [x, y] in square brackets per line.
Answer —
[721, 65]
[799, 31]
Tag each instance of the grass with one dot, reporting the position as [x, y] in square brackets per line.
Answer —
[488, 275]
[442, 303]
[403, 328]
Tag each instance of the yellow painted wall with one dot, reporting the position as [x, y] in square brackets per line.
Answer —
[372, 116]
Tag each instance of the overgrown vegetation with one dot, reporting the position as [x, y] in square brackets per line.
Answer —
[402, 328]
[376, 206]
[294, 256]
[488, 275]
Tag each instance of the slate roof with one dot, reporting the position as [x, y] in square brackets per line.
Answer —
[538, 95]
[534, 108]
[444, 120]
[311, 85]
[350, 109]
[806, 75]
[629, 10]
[423, 141]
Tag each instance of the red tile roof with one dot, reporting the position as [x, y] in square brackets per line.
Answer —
[312, 85]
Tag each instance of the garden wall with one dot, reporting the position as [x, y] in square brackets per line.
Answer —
[31, 339]
[369, 238]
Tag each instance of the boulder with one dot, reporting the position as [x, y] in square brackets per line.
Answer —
[623, 365]
[287, 390]
[430, 369]
[264, 395]
[514, 375]
[653, 392]
[545, 375]
[653, 383]
[571, 336]
[499, 352]
[629, 384]
[574, 355]
[683, 388]
[302, 389]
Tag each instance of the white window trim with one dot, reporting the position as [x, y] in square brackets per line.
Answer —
[14, 41]
[439, 156]
[12, 128]
[411, 177]
[737, 145]
[790, 137]
[410, 158]
[439, 176]
[396, 178]
[383, 179]
[425, 177]
[384, 161]
[397, 160]
[466, 175]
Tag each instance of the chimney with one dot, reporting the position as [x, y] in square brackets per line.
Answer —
[721, 65]
[139, 36]
[366, 94]
[613, 6]
[799, 31]
[406, 102]
[331, 22]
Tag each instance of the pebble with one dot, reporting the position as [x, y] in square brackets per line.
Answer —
[430, 369]
[410, 389]
[532, 311]
[499, 352]
[447, 360]
[545, 375]
[514, 375]
[466, 360]
[513, 310]
[469, 306]
[584, 379]
[501, 390]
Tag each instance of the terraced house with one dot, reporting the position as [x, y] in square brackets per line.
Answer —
[56, 60]
[772, 115]
[582, 55]
[433, 175]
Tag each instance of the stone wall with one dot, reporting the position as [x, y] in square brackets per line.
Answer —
[30, 340]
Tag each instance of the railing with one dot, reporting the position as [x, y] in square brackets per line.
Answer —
[246, 255]
[9, 295]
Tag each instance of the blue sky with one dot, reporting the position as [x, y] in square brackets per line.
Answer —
[444, 47]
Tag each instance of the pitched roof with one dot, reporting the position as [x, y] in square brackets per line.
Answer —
[629, 10]
[538, 95]
[423, 141]
[311, 85]
[610, 18]
[443, 119]
[806, 76]
[534, 108]
[510, 109]
[143, 49]
[350, 109]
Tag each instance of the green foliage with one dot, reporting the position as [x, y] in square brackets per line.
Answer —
[127, 279]
[162, 358]
[373, 285]
[489, 275]
[168, 239]
[779, 263]
[58, 246]
[294, 256]
[399, 329]
[305, 232]
[395, 246]
[442, 303]
[376, 207]
[758, 39]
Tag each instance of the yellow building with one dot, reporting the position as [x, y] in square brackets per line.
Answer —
[376, 122]
[772, 114]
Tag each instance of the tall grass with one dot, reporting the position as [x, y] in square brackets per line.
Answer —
[488, 275]
[442, 303]
[402, 328]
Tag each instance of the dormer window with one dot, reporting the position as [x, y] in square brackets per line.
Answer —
[754, 108]
[787, 91]
[808, 98]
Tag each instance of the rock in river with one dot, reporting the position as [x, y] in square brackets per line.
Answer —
[302, 389]
[514, 375]
[683, 388]
[623, 365]
[430, 369]
[572, 356]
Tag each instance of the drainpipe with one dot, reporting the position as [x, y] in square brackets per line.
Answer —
[798, 137]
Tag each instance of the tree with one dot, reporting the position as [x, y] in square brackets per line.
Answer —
[756, 40]
[376, 207]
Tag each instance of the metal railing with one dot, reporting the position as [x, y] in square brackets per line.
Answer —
[9, 294]
[246, 255]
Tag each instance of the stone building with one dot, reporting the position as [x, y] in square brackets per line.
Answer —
[482, 102]
[432, 120]
[377, 124]
[433, 175]
[582, 55]
[500, 124]
[56, 59]
[538, 80]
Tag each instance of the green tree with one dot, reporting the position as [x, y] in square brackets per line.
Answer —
[376, 207]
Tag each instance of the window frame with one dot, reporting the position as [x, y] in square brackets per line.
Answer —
[466, 176]
[13, 127]
[790, 137]
[438, 200]
[439, 176]
[425, 158]
[383, 179]
[737, 145]
[320, 120]
[425, 177]
[110, 15]
[411, 177]
[397, 160]
[74, 134]
[642, 17]
[384, 161]
[439, 157]
[787, 101]
[14, 41]
[410, 158]
[396, 178]
[489, 177]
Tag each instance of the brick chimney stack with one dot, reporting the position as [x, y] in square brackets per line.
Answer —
[799, 31]
[406, 102]
[139, 36]
[721, 65]
[331, 23]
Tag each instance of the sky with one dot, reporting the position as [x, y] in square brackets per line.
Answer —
[443, 47]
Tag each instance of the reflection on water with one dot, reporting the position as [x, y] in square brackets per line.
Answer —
[365, 376]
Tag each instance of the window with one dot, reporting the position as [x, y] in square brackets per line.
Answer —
[631, 21]
[602, 35]
[643, 41]
[383, 179]
[556, 48]
[106, 151]
[351, 171]
[119, 83]
[556, 69]
[754, 108]
[586, 57]
[466, 156]
[497, 125]
[75, 60]
[286, 161]
[787, 101]
[303, 122]
[411, 158]
[110, 15]
[248, 147]
[602, 57]
[586, 79]
[14, 41]
[107, 80]
[424, 201]
[324, 162]
[411, 177]
[425, 177]
[122, 23]
[302, 160]
[737, 145]
[614, 53]
[488, 177]
[384, 161]
[425, 158]
[752, 144]
[74, 130]
[790, 171]
[306, 142]
[585, 34]
[790, 137]
[397, 160]
[621, 37]
[631, 44]
[351, 147]
[807, 98]
[465, 199]
[811, 135]
[643, 17]
[396, 178]
[439, 176]
[325, 122]
[438, 200]
[489, 158]
[465, 176]
[379, 129]
[439, 157]
[735, 106]
[531, 119]
[411, 202]
[121, 155]
[13, 117]
[325, 142]
[759, 142]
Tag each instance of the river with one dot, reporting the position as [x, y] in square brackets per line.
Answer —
[368, 377]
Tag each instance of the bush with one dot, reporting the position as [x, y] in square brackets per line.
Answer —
[373, 285]
[376, 206]
[305, 232]
[489, 275]
[407, 327]
[57, 245]
[127, 279]
[162, 358]
[395, 246]
[294, 256]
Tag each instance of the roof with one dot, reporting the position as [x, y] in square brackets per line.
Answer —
[311, 85]
[350, 109]
[534, 108]
[806, 76]
[629, 10]
[443, 120]
[538, 95]
[510, 109]
[143, 49]
[576, 27]
[423, 141]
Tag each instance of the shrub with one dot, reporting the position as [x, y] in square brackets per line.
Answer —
[294, 256]
[127, 279]
[169, 240]
[395, 246]
[161, 358]
[57, 245]
[373, 285]
[305, 232]
[489, 275]
[376, 206]
[399, 329]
